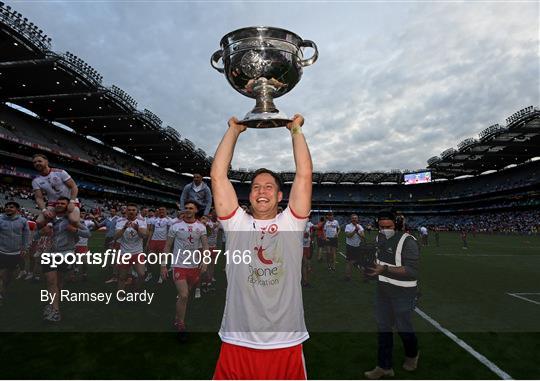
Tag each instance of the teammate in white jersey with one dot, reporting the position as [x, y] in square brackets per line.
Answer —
[189, 245]
[263, 323]
[212, 229]
[130, 232]
[306, 259]
[54, 183]
[331, 232]
[354, 235]
[82, 245]
[158, 227]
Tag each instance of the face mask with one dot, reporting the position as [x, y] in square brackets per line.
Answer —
[388, 233]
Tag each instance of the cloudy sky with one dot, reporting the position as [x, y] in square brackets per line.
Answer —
[395, 83]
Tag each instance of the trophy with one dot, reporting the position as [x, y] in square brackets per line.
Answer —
[263, 63]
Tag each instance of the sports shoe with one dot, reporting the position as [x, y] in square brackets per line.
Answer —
[149, 277]
[47, 310]
[111, 280]
[29, 276]
[53, 316]
[197, 293]
[411, 363]
[21, 274]
[378, 373]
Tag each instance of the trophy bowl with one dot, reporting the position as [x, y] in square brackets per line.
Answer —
[263, 63]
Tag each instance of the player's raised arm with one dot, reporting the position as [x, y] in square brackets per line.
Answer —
[300, 197]
[225, 199]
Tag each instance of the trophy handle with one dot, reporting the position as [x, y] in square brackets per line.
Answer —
[218, 55]
[313, 58]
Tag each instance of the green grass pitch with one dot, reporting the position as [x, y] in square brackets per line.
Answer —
[466, 291]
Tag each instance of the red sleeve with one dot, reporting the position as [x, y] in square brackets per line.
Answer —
[229, 216]
[296, 215]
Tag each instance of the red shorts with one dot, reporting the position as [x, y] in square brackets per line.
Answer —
[156, 246]
[81, 249]
[242, 363]
[133, 259]
[192, 275]
[307, 252]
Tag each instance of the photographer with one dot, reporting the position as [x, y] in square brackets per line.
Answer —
[396, 269]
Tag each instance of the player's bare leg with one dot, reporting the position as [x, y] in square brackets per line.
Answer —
[140, 269]
[122, 277]
[182, 288]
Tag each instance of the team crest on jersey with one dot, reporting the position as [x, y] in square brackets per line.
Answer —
[272, 229]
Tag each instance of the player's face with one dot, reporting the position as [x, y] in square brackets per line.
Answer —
[61, 206]
[10, 210]
[354, 219]
[83, 215]
[264, 195]
[197, 179]
[189, 211]
[113, 212]
[162, 212]
[40, 163]
[330, 217]
[131, 212]
[144, 212]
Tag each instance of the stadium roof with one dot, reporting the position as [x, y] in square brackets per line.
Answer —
[63, 88]
[495, 148]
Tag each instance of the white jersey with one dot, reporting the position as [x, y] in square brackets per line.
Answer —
[212, 236]
[307, 234]
[264, 307]
[161, 227]
[84, 241]
[187, 239]
[130, 242]
[423, 230]
[355, 239]
[331, 228]
[53, 186]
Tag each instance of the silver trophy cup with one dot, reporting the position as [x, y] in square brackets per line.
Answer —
[263, 63]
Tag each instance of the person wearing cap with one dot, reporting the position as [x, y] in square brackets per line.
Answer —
[396, 269]
[14, 241]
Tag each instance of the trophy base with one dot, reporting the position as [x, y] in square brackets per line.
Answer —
[265, 120]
